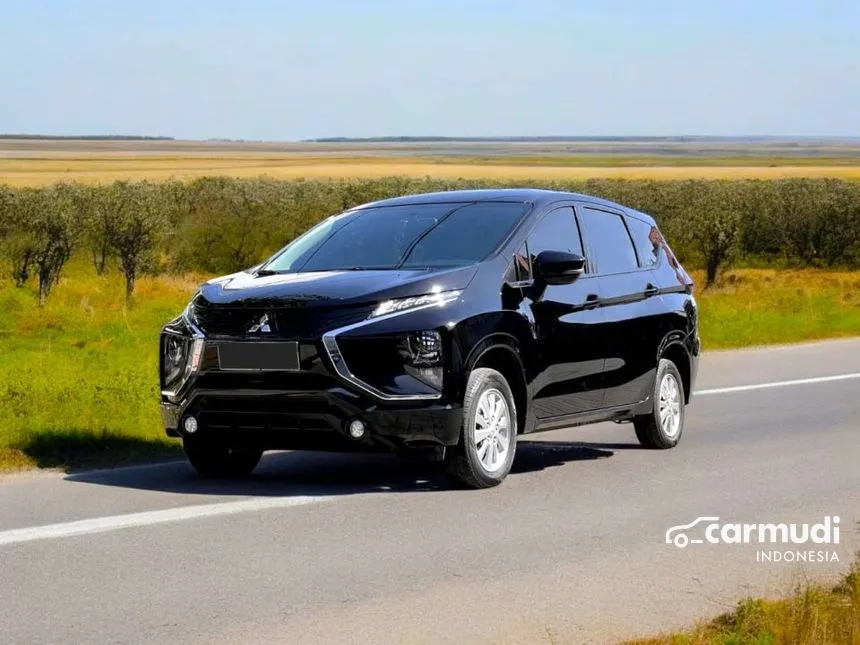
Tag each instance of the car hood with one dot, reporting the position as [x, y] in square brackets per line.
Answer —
[330, 288]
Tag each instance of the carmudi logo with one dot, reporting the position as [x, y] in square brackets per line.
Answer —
[709, 530]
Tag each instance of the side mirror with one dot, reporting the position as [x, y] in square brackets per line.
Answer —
[558, 267]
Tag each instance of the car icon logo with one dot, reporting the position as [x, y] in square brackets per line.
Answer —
[677, 534]
[262, 326]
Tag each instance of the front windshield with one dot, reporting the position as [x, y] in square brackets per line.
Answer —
[411, 236]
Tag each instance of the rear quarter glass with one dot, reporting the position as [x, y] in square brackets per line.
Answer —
[681, 273]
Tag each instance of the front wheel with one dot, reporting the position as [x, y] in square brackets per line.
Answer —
[211, 458]
[488, 440]
[663, 426]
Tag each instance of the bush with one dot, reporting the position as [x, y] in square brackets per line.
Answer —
[41, 230]
[220, 225]
[135, 226]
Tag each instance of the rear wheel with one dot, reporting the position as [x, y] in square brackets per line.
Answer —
[663, 426]
[488, 440]
[213, 458]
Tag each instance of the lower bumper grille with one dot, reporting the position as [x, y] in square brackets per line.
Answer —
[261, 413]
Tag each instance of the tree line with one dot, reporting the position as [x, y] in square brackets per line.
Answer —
[219, 225]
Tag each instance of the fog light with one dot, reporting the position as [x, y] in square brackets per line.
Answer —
[190, 425]
[356, 429]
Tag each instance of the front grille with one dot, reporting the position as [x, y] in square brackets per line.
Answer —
[226, 322]
[298, 323]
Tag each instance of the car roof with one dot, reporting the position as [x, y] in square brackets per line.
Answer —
[535, 196]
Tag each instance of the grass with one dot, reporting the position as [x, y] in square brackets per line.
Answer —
[83, 450]
[78, 378]
[767, 306]
[92, 168]
[812, 615]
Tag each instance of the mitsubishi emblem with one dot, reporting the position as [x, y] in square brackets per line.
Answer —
[261, 327]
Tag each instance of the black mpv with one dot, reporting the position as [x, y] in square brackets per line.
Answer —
[446, 324]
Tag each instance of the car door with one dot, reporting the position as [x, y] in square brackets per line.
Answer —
[565, 321]
[629, 304]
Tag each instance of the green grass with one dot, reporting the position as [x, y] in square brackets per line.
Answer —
[768, 306]
[812, 615]
[82, 450]
[78, 378]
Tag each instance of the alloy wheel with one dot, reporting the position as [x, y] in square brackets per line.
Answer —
[492, 431]
[670, 405]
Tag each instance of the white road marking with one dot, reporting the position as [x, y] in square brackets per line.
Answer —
[148, 518]
[765, 386]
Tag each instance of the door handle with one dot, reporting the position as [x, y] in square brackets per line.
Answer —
[650, 290]
[591, 301]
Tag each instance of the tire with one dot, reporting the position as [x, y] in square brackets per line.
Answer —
[472, 464]
[212, 458]
[654, 430]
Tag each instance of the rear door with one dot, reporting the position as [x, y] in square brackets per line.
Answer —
[630, 305]
[566, 324]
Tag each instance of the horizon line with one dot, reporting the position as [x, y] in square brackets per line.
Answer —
[433, 138]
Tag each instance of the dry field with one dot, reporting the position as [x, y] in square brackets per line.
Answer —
[102, 170]
[40, 162]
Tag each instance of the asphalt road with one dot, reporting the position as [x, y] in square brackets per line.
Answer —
[320, 548]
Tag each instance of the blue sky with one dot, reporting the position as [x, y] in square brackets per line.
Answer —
[263, 69]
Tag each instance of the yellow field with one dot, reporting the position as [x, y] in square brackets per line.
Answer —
[29, 171]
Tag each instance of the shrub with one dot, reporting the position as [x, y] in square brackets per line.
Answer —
[41, 232]
[220, 225]
[135, 226]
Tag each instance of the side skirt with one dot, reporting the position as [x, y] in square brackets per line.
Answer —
[617, 413]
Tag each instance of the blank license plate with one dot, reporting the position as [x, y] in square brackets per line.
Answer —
[259, 356]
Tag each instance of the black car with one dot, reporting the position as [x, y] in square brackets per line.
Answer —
[443, 324]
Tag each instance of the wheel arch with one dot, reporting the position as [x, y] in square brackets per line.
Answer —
[502, 352]
[673, 348]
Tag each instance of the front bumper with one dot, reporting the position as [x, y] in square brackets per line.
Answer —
[312, 406]
[313, 420]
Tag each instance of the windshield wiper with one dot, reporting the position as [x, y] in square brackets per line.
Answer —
[262, 273]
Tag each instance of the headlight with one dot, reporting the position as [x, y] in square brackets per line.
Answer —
[414, 302]
[180, 356]
[174, 357]
[422, 356]
[421, 349]
[408, 364]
